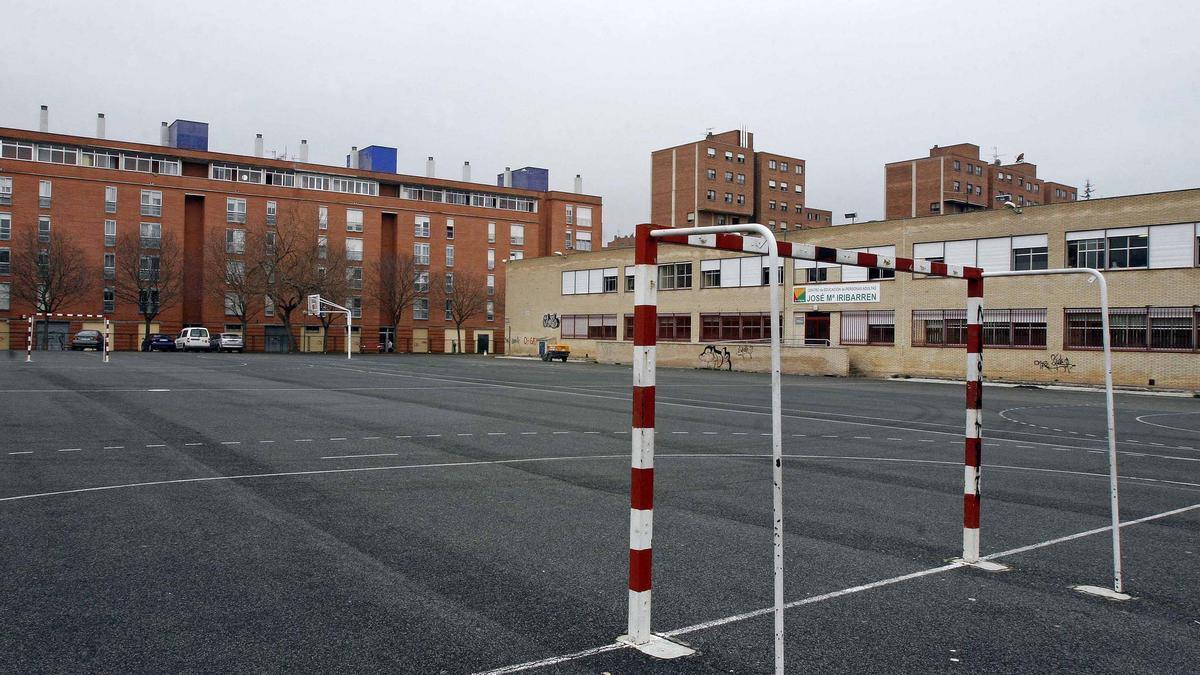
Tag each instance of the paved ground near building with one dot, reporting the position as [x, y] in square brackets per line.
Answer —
[460, 514]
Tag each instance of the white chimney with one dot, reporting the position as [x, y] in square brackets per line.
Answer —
[44, 119]
[304, 150]
[354, 157]
[508, 176]
[466, 172]
[258, 145]
[429, 170]
[99, 125]
[578, 184]
[165, 135]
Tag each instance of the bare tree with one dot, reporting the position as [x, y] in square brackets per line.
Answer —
[464, 296]
[291, 253]
[149, 272]
[331, 280]
[49, 273]
[233, 273]
[392, 287]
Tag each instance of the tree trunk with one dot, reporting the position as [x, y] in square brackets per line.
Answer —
[45, 333]
[146, 334]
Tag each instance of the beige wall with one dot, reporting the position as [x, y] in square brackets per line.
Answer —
[534, 291]
[740, 357]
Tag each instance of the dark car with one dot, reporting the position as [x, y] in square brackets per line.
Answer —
[87, 339]
[159, 342]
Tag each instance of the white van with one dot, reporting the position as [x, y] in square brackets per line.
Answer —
[192, 338]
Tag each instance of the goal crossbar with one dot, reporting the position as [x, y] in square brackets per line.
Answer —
[647, 238]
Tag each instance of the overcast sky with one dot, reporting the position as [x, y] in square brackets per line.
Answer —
[1101, 90]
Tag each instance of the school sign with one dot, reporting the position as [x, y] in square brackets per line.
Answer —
[835, 293]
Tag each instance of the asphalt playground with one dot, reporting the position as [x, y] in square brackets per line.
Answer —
[440, 514]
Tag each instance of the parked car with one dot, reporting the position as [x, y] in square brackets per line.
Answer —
[87, 339]
[557, 351]
[193, 338]
[226, 342]
[158, 342]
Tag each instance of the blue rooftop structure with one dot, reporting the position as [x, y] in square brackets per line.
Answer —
[188, 135]
[527, 178]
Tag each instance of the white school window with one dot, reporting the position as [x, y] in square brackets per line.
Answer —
[110, 265]
[583, 216]
[6, 226]
[235, 241]
[491, 259]
[5, 190]
[570, 214]
[354, 249]
[421, 254]
[516, 235]
[449, 256]
[449, 309]
[491, 284]
[5, 261]
[421, 282]
[421, 226]
[516, 255]
[272, 212]
[490, 312]
[583, 241]
[491, 233]
[44, 190]
[152, 203]
[151, 234]
[421, 308]
[354, 220]
[322, 247]
[449, 228]
[323, 217]
[235, 209]
[110, 199]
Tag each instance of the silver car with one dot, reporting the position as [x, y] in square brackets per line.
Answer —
[228, 342]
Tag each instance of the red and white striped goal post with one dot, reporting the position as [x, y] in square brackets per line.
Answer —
[105, 335]
[645, 312]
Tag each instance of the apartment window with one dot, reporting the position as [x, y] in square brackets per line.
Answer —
[235, 209]
[711, 152]
[110, 265]
[516, 255]
[710, 195]
[110, 301]
[569, 241]
[491, 230]
[489, 311]
[741, 179]
[735, 326]
[491, 257]
[354, 277]
[770, 185]
[712, 174]
[799, 169]
[5, 261]
[110, 199]
[741, 158]
[583, 216]
[783, 206]
[741, 199]
[771, 164]
[272, 212]
[978, 190]
[235, 241]
[44, 191]
[448, 282]
[728, 197]
[43, 230]
[583, 241]
[421, 282]
[354, 248]
[354, 304]
[148, 267]
[235, 271]
[571, 210]
[323, 217]
[354, 220]
[783, 166]
[322, 247]
[448, 308]
[5, 191]
[1086, 253]
[516, 235]
[491, 284]
[1030, 258]
[1128, 251]
[957, 186]
[675, 276]
[783, 186]
[610, 280]
[799, 189]
[728, 156]
[873, 327]
[589, 326]
[449, 256]
[935, 207]
[449, 228]
[421, 226]
[629, 278]
[421, 308]
[771, 205]
[6, 226]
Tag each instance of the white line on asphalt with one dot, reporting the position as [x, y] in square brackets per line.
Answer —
[567, 432]
[895, 439]
[24, 452]
[339, 438]
[1026, 447]
[822, 435]
[378, 454]
[739, 433]
[193, 444]
[574, 656]
[404, 437]
[70, 449]
[591, 432]
[862, 438]
[709, 433]
[370, 438]
[529, 433]
[464, 434]
[231, 442]
[114, 447]
[433, 435]
[679, 432]
[303, 440]
[266, 441]
[156, 445]
[497, 433]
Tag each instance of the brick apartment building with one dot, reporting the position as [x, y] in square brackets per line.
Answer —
[953, 179]
[95, 189]
[722, 179]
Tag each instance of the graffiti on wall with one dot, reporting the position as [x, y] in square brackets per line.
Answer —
[1056, 363]
[715, 358]
[550, 321]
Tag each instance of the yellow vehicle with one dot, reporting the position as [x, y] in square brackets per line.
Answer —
[556, 351]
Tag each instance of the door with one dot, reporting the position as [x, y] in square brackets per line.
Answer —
[4, 342]
[420, 340]
[481, 343]
[57, 332]
[274, 339]
[816, 328]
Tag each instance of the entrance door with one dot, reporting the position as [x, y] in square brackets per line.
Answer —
[481, 343]
[420, 340]
[816, 328]
[274, 339]
[58, 334]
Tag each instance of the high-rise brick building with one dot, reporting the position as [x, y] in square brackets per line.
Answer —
[723, 180]
[953, 179]
[95, 189]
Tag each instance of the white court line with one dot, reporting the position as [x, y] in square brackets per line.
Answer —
[231, 442]
[156, 445]
[70, 449]
[114, 447]
[567, 432]
[529, 433]
[191, 444]
[24, 452]
[378, 454]
[303, 440]
[464, 434]
[497, 433]
[340, 438]
[266, 441]
[813, 599]
[433, 435]
[370, 438]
